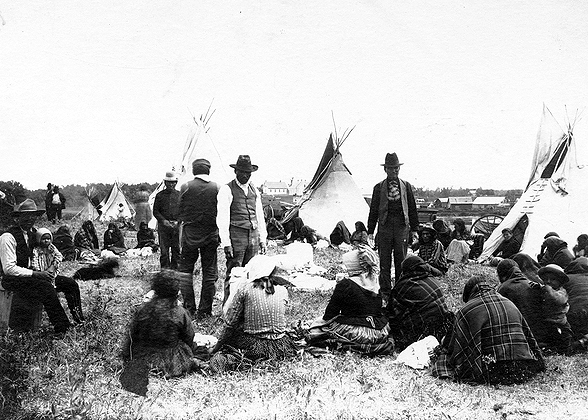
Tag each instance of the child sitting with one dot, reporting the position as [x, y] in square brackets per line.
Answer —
[46, 257]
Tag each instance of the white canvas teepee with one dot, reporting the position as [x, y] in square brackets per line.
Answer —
[332, 195]
[554, 199]
[115, 205]
[198, 145]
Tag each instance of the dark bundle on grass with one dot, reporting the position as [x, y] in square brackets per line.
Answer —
[103, 270]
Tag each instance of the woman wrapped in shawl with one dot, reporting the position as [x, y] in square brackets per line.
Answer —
[63, 240]
[581, 248]
[146, 237]
[577, 288]
[417, 307]
[255, 324]
[86, 238]
[360, 236]
[490, 341]
[556, 252]
[528, 266]
[353, 319]
[432, 251]
[114, 239]
[159, 337]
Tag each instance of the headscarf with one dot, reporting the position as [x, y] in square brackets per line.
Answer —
[362, 267]
[43, 231]
[259, 270]
[507, 269]
[475, 286]
[414, 268]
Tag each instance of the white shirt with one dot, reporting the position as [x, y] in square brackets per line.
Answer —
[223, 217]
[8, 257]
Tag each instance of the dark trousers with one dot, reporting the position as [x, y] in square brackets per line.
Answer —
[69, 287]
[169, 246]
[245, 243]
[392, 240]
[56, 212]
[34, 291]
[208, 261]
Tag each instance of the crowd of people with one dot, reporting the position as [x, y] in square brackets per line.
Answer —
[391, 296]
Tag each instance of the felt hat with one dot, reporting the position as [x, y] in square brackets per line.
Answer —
[391, 160]
[244, 164]
[556, 270]
[200, 166]
[171, 176]
[428, 228]
[28, 206]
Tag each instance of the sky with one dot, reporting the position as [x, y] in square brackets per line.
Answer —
[98, 91]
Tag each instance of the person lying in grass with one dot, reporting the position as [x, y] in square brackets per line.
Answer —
[255, 324]
[417, 306]
[159, 337]
[490, 343]
[354, 320]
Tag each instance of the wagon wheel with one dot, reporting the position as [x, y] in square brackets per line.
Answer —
[485, 225]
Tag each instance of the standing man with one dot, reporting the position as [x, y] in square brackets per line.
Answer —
[197, 213]
[15, 257]
[165, 210]
[57, 204]
[240, 218]
[394, 210]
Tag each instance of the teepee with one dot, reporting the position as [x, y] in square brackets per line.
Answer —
[332, 195]
[115, 205]
[555, 193]
[89, 211]
[198, 145]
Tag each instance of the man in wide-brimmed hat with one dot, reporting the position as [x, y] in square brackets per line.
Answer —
[165, 210]
[240, 218]
[198, 210]
[393, 209]
[31, 285]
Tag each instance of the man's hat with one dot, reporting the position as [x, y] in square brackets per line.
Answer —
[26, 207]
[556, 270]
[244, 164]
[200, 166]
[391, 160]
[170, 176]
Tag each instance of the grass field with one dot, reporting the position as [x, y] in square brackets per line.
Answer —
[77, 377]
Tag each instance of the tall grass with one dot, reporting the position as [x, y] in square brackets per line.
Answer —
[77, 377]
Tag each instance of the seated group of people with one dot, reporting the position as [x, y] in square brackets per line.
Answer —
[85, 246]
[498, 337]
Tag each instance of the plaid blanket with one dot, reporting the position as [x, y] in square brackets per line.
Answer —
[489, 331]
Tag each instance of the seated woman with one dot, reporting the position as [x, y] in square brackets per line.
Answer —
[490, 342]
[519, 290]
[360, 236]
[303, 233]
[556, 252]
[255, 324]
[63, 241]
[458, 250]
[114, 239]
[509, 245]
[86, 241]
[443, 232]
[432, 251]
[417, 306]
[159, 337]
[146, 237]
[528, 266]
[577, 288]
[340, 234]
[581, 248]
[353, 319]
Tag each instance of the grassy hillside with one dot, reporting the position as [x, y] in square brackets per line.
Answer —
[77, 377]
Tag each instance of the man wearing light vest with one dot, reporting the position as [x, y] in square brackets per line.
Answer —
[240, 218]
